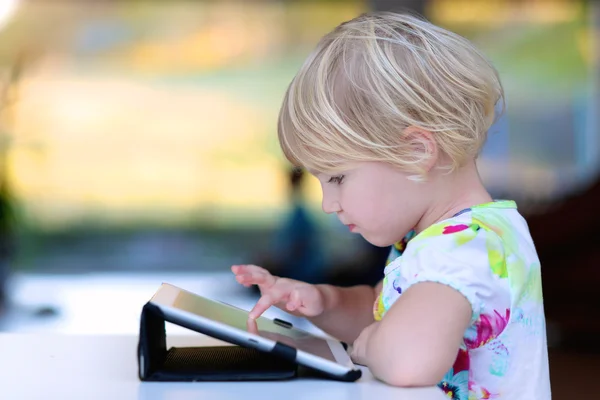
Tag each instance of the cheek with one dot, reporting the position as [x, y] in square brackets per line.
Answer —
[368, 207]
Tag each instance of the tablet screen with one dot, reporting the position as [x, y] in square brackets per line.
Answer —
[235, 317]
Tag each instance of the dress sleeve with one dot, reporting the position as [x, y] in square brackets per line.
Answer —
[467, 258]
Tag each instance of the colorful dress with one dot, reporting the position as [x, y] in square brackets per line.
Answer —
[486, 253]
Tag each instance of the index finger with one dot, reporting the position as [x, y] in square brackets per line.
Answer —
[251, 326]
[263, 304]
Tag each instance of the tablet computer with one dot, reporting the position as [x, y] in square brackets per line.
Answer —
[231, 324]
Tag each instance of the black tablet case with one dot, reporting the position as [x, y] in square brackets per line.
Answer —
[216, 363]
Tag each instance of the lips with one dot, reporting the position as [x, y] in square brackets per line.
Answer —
[351, 227]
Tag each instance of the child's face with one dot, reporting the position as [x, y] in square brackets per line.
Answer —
[376, 200]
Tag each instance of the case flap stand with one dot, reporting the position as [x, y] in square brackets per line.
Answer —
[217, 363]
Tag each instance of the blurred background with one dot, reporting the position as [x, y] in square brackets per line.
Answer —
[138, 146]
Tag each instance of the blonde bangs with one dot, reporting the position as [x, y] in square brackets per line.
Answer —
[312, 130]
[322, 123]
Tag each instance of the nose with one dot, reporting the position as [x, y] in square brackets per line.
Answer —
[329, 204]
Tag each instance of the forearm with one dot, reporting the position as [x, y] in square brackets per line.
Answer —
[402, 356]
[347, 311]
[387, 359]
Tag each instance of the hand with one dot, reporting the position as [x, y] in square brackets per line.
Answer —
[359, 348]
[298, 298]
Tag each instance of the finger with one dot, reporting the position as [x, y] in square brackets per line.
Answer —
[258, 278]
[294, 301]
[247, 268]
[261, 306]
[243, 281]
[240, 269]
[264, 303]
[252, 326]
[309, 301]
[237, 269]
[265, 281]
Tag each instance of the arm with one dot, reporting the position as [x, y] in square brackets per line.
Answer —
[347, 311]
[417, 341]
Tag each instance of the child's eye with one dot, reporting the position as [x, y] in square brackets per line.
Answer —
[336, 179]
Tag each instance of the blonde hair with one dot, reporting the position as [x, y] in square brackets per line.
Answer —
[378, 74]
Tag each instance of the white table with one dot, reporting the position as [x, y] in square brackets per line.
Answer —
[35, 366]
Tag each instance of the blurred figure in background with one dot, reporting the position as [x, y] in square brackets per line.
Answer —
[296, 250]
[6, 240]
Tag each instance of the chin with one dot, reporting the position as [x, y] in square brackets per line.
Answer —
[378, 242]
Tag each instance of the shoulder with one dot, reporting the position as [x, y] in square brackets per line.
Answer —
[488, 232]
[459, 237]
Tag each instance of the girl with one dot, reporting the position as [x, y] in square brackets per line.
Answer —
[389, 113]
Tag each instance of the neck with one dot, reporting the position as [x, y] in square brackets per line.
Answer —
[452, 193]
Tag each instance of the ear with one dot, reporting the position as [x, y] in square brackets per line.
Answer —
[424, 147]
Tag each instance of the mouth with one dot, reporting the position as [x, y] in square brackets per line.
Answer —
[351, 227]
